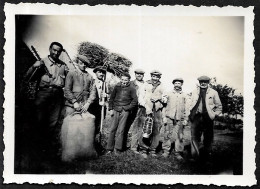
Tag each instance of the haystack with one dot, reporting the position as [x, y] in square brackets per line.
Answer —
[94, 52]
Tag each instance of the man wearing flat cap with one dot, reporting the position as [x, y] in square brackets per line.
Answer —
[205, 105]
[176, 117]
[137, 116]
[80, 89]
[153, 99]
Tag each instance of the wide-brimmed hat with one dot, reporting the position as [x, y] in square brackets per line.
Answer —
[203, 78]
[100, 68]
[177, 79]
[140, 71]
[83, 58]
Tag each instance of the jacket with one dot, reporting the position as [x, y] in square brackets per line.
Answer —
[79, 87]
[157, 94]
[123, 98]
[176, 107]
[212, 101]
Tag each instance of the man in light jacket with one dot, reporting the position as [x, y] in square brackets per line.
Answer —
[176, 112]
[204, 106]
[153, 99]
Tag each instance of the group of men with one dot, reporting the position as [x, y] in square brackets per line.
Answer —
[130, 103]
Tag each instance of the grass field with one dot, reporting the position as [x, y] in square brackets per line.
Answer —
[226, 158]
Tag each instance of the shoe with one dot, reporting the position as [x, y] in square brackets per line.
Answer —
[109, 152]
[135, 151]
[165, 155]
[178, 156]
[117, 152]
[153, 154]
[144, 155]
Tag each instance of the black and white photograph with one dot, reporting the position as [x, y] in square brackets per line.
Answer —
[138, 93]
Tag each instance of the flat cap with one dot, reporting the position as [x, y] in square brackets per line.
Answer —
[156, 72]
[126, 75]
[100, 68]
[140, 71]
[203, 78]
[83, 58]
[177, 79]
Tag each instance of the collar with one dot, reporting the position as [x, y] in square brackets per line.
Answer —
[124, 86]
[81, 72]
[53, 62]
[174, 91]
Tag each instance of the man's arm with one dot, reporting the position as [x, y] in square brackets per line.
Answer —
[30, 71]
[92, 91]
[111, 100]
[218, 105]
[68, 89]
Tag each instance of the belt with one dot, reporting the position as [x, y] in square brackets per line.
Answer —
[51, 87]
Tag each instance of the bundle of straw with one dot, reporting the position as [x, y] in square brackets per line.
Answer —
[118, 63]
[94, 52]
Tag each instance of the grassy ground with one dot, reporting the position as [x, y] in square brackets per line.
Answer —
[226, 158]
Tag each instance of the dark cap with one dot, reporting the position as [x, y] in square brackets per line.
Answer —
[203, 78]
[140, 71]
[83, 58]
[177, 79]
[126, 75]
[156, 72]
[100, 68]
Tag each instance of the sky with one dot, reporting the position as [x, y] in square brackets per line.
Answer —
[186, 47]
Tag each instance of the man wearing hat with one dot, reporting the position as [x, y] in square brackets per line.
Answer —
[102, 95]
[122, 100]
[176, 112]
[80, 89]
[138, 114]
[205, 105]
[153, 99]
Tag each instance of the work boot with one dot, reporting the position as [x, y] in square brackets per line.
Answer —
[117, 152]
[153, 154]
[143, 154]
[109, 152]
[165, 154]
[135, 151]
[178, 156]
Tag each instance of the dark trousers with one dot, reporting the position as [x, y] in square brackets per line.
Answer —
[48, 105]
[117, 130]
[95, 109]
[201, 124]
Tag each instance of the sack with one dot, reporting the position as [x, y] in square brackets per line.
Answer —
[77, 136]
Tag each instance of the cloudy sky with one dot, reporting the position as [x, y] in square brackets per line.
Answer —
[185, 47]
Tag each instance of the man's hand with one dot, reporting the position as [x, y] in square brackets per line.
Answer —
[85, 108]
[164, 121]
[76, 106]
[153, 100]
[184, 122]
[37, 64]
[111, 112]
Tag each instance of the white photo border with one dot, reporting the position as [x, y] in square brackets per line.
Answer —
[249, 167]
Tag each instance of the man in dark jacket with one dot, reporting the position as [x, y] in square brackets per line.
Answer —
[122, 100]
